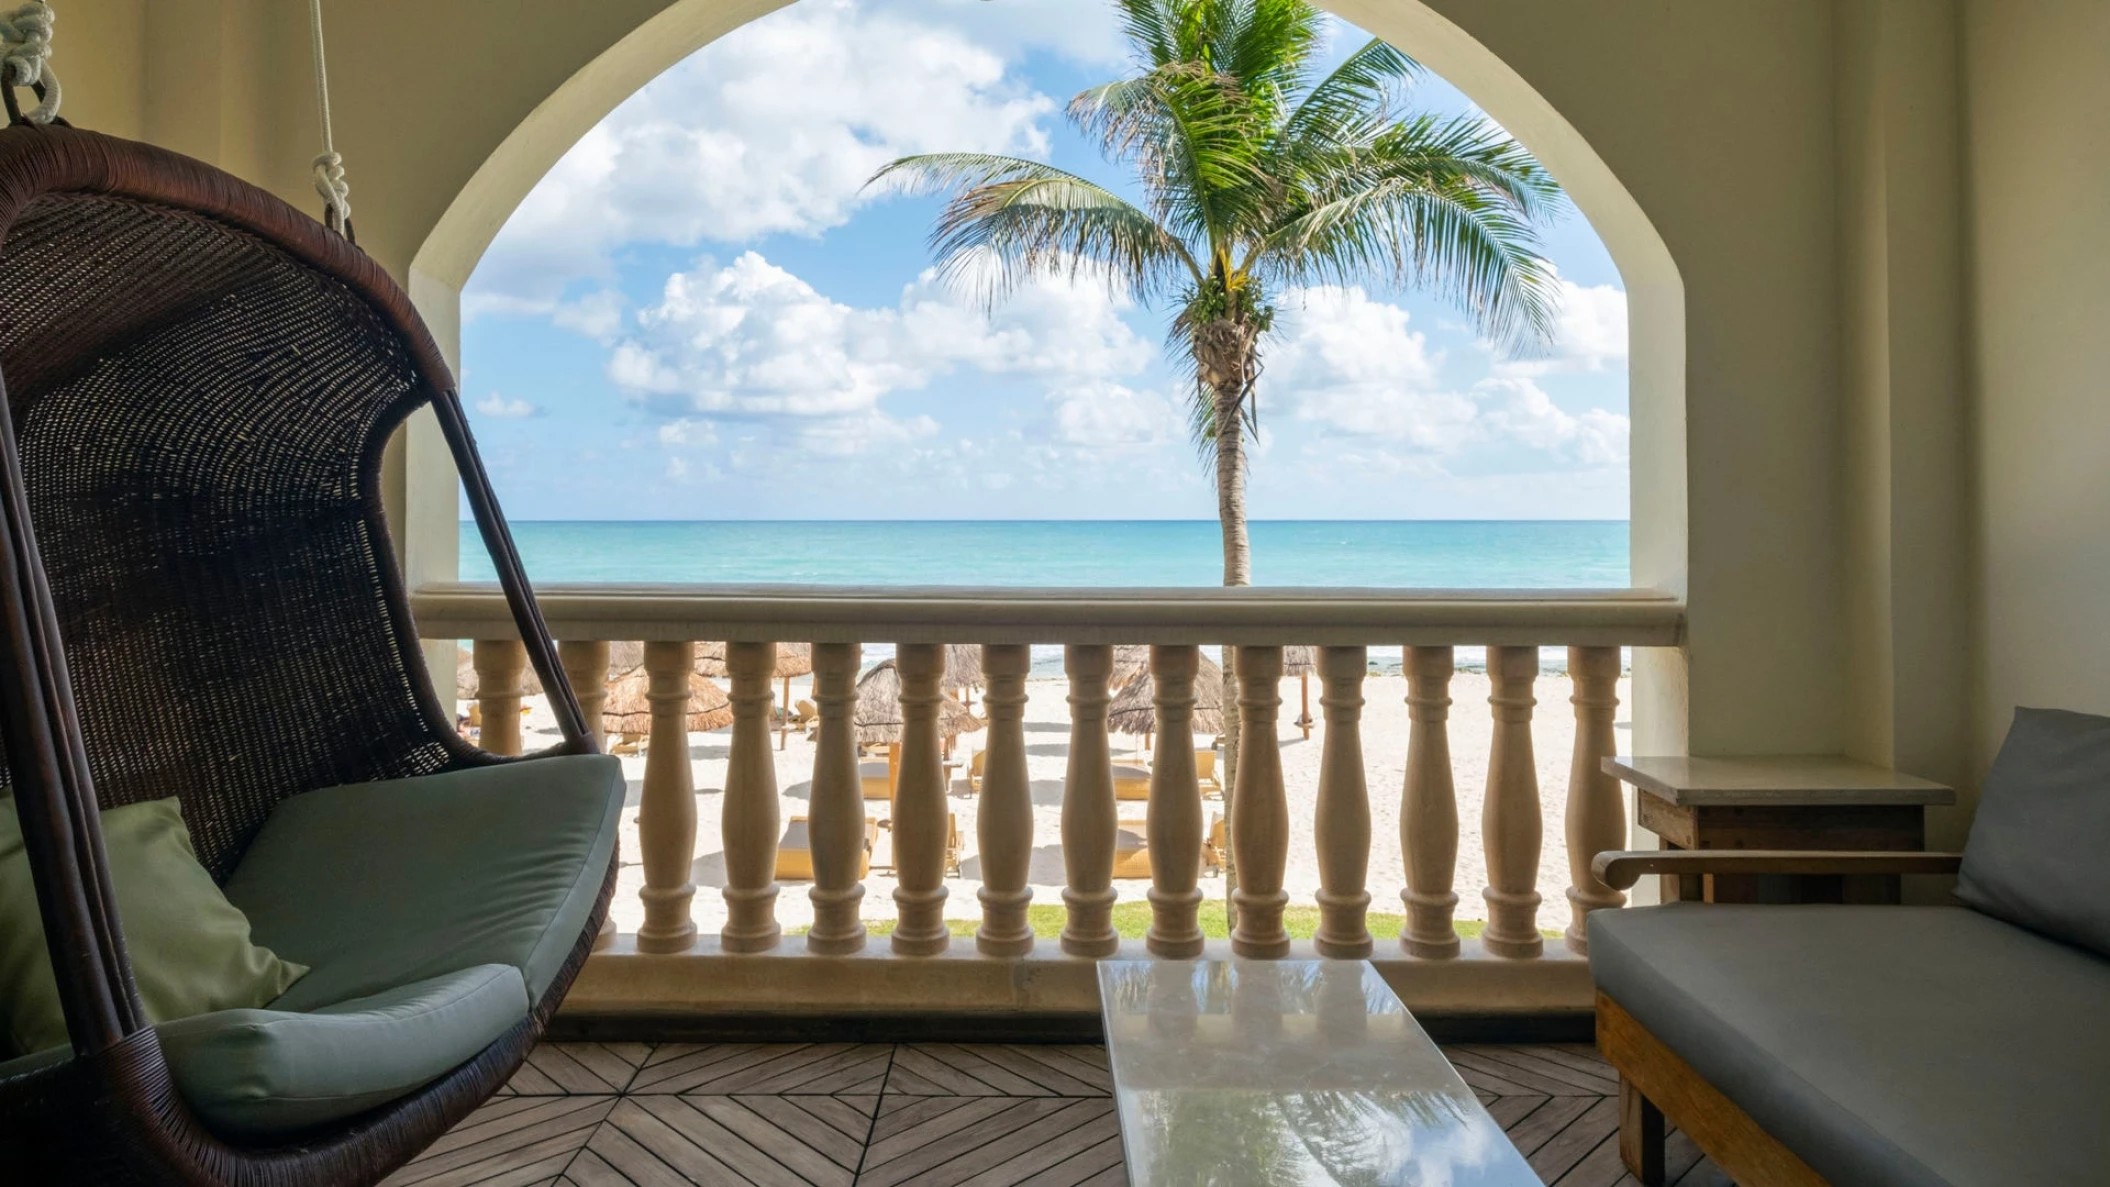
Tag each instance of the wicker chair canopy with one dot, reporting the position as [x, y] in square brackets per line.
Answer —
[200, 599]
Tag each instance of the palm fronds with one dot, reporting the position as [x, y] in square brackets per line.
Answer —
[1010, 220]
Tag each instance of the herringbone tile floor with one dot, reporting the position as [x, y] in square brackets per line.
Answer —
[929, 1114]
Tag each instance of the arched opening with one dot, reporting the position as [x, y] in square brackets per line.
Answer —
[1654, 290]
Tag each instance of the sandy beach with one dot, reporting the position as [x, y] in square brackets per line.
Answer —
[1384, 725]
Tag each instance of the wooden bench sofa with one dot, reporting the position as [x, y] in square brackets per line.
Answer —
[1893, 1046]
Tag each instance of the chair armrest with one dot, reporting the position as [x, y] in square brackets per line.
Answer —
[1621, 869]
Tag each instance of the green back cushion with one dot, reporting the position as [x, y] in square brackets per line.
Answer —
[188, 945]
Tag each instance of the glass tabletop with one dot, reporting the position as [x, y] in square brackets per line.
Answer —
[1288, 1072]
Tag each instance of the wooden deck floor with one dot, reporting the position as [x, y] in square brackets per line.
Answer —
[937, 1115]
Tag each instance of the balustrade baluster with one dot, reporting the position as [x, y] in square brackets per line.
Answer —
[1509, 819]
[1596, 814]
[837, 828]
[666, 813]
[1343, 809]
[1004, 818]
[586, 669]
[749, 826]
[1175, 820]
[499, 667]
[1428, 809]
[1259, 808]
[921, 820]
[1088, 812]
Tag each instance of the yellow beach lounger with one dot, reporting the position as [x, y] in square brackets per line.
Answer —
[795, 851]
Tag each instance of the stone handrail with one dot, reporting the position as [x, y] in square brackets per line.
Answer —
[1343, 623]
[953, 614]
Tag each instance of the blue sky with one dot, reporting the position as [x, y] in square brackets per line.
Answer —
[700, 314]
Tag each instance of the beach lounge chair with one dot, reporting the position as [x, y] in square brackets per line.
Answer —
[1132, 849]
[877, 777]
[1205, 773]
[1131, 782]
[795, 851]
[974, 770]
[952, 845]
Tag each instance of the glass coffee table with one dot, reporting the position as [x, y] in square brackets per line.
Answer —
[1288, 1072]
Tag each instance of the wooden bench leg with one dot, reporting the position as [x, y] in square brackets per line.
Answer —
[1640, 1135]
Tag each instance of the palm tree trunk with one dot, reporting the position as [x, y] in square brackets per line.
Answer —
[1228, 376]
[1230, 484]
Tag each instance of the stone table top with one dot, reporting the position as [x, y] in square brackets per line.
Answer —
[1778, 781]
[1288, 1072]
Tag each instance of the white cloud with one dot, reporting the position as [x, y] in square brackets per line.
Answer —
[1518, 410]
[1341, 337]
[498, 407]
[1352, 365]
[597, 315]
[686, 432]
[1354, 368]
[774, 128]
[1589, 335]
[1111, 419]
[751, 341]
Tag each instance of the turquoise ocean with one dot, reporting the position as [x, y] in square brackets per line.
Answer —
[1401, 554]
[1428, 554]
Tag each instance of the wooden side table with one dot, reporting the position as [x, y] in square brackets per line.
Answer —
[1779, 803]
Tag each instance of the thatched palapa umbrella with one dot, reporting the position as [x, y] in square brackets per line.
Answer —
[1135, 710]
[793, 659]
[629, 711]
[1130, 661]
[963, 667]
[466, 683]
[878, 716]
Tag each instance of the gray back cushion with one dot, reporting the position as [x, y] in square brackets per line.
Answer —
[2039, 853]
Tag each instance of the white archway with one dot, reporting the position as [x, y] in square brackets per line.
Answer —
[1655, 289]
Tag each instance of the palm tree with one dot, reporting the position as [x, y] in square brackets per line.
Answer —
[1258, 175]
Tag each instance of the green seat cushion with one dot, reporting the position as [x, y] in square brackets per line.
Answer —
[378, 885]
[1886, 1046]
[191, 950]
[263, 1074]
[267, 1073]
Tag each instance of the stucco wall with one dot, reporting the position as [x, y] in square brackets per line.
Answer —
[2037, 143]
[1904, 534]
[1718, 119]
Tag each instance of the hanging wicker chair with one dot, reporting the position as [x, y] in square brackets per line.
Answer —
[199, 599]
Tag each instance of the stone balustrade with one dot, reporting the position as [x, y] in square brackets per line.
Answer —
[1260, 826]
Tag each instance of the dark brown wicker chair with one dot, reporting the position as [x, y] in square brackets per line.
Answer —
[199, 599]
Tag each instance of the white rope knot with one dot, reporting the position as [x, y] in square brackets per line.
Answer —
[25, 57]
[330, 183]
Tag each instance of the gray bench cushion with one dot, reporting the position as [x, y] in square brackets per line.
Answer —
[2036, 853]
[263, 1073]
[1883, 1045]
[378, 885]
